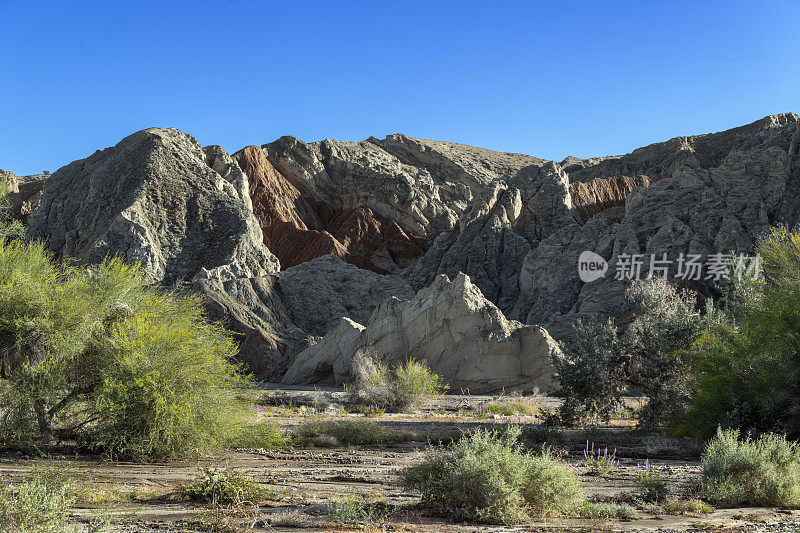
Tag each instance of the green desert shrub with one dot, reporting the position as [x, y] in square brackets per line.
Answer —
[658, 343]
[40, 502]
[512, 407]
[33, 506]
[686, 507]
[590, 371]
[760, 472]
[652, 358]
[488, 477]
[405, 386]
[359, 511]
[165, 385]
[359, 432]
[746, 373]
[95, 355]
[262, 434]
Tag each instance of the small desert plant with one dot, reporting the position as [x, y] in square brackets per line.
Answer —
[600, 463]
[40, 503]
[687, 507]
[263, 434]
[598, 510]
[512, 407]
[402, 387]
[359, 432]
[358, 510]
[488, 477]
[33, 506]
[760, 472]
[651, 480]
[368, 410]
[223, 486]
[482, 410]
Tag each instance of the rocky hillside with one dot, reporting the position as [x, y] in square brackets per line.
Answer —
[455, 254]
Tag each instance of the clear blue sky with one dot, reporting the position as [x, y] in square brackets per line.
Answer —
[545, 78]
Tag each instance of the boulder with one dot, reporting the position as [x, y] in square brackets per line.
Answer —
[159, 199]
[449, 325]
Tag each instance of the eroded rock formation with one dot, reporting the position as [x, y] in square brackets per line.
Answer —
[360, 226]
[159, 199]
[298, 228]
[598, 194]
[451, 326]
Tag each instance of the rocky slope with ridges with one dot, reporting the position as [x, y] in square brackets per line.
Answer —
[157, 198]
[360, 227]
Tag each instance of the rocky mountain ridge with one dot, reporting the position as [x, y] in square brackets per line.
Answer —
[287, 239]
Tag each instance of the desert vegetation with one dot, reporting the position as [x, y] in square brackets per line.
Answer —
[489, 477]
[93, 358]
[404, 386]
[728, 362]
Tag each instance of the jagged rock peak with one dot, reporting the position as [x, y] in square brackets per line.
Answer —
[159, 199]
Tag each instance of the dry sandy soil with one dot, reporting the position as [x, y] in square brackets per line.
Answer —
[306, 480]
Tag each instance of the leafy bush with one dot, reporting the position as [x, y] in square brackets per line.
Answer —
[591, 373]
[759, 472]
[489, 477]
[658, 342]
[746, 373]
[405, 386]
[93, 354]
[652, 357]
[360, 432]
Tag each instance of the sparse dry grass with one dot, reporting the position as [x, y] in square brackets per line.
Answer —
[513, 407]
